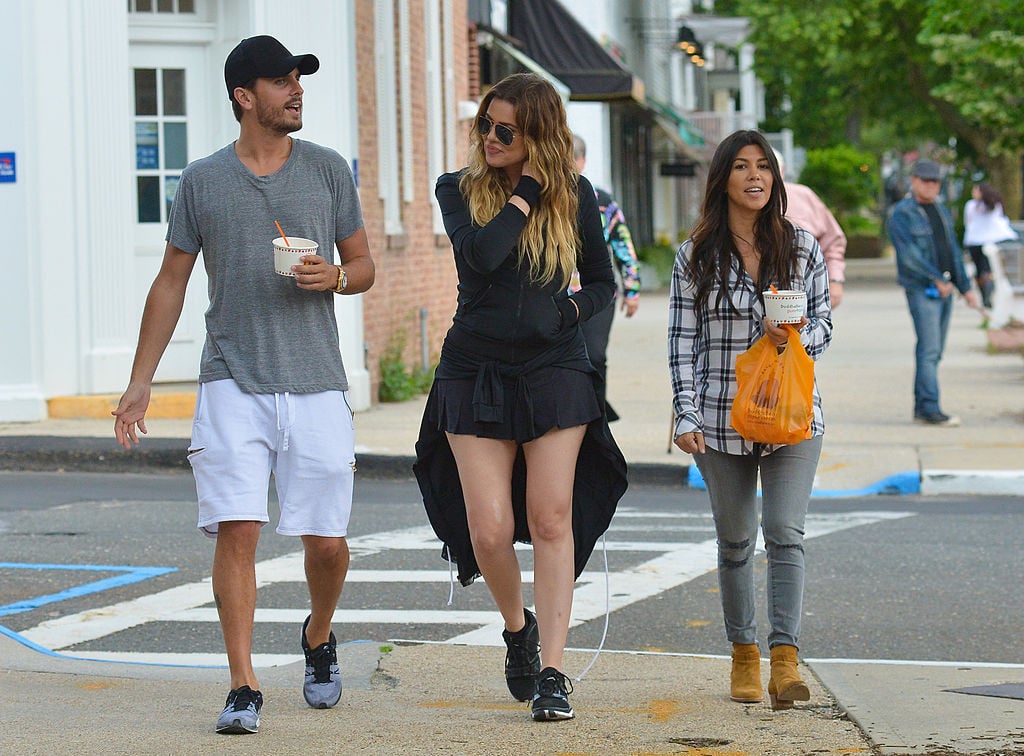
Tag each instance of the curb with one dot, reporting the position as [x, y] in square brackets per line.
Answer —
[89, 454]
[86, 454]
[985, 482]
[911, 482]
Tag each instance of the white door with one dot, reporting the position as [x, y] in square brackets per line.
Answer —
[170, 130]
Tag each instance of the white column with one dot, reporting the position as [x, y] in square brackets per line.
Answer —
[21, 395]
[101, 105]
[748, 80]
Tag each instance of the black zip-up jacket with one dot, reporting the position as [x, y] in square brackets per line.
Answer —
[496, 298]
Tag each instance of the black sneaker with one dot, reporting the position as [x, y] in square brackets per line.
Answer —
[937, 418]
[522, 660]
[241, 714]
[551, 699]
[322, 685]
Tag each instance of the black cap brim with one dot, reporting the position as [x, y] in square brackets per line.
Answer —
[307, 64]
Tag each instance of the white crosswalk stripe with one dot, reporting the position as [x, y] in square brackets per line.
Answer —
[672, 564]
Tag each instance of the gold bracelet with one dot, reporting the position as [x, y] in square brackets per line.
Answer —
[342, 281]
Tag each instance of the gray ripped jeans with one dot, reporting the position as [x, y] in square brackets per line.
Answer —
[787, 476]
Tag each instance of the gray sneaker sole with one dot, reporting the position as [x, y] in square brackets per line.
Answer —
[318, 702]
[237, 728]
[552, 715]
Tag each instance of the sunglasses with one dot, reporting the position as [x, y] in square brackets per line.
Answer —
[505, 135]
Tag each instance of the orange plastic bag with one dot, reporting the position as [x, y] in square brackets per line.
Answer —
[775, 392]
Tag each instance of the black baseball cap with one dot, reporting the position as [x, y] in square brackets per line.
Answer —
[263, 57]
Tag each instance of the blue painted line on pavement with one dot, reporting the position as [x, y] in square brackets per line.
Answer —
[130, 575]
[694, 479]
[57, 655]
[899, 484]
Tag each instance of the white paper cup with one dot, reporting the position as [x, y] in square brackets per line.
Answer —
[287, 255]
[786, 306]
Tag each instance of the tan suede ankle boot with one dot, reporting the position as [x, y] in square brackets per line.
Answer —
[785, 685]
[746, 673]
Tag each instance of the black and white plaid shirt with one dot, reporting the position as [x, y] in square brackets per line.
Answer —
[702, 351]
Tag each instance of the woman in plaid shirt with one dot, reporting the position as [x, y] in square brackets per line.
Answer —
[741, 246]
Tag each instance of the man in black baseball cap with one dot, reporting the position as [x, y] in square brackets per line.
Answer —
[263, 57]
[229, 207]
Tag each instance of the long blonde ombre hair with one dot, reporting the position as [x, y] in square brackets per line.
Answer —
[550, 242]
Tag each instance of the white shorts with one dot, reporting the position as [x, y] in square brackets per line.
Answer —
[306, 440]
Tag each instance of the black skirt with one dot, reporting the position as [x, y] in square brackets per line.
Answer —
[550, 397]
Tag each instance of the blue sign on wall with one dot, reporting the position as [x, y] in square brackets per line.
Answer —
[8, 168]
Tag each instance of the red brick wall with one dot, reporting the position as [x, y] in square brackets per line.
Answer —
[415, 270]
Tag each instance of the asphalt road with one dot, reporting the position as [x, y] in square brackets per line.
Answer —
[903, 578]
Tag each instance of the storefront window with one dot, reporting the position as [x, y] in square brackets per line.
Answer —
[161, 139]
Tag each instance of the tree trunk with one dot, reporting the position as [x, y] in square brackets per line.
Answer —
[853, 124]
[1005, 175]
[1006, 172]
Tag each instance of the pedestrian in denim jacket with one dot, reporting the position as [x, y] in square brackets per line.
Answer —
[930, 268]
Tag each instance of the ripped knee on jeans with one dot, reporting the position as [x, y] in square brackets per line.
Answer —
[785, 546]
[789, 553]
[733, 554]
[196, 451]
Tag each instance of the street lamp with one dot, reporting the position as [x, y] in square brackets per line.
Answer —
[686, 40]
[697, 56]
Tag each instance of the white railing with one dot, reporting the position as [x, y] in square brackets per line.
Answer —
[717, 126]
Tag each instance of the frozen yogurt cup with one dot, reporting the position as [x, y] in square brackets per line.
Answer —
[784, 306]
[287, 255]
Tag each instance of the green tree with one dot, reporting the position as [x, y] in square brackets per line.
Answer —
[845, 178]
[881, 74]
[982, 48]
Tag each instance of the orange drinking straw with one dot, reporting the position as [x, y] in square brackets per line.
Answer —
[774, 290]
[281, 231]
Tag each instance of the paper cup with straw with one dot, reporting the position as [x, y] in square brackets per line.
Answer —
[289, 252]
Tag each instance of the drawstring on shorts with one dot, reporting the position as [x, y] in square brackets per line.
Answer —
[285, 426]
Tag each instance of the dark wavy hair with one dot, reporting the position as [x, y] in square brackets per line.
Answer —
[714, 247]
[990, 196]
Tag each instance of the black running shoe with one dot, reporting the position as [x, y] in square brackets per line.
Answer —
[522, 661]
[322, 685]
[241, 714]
[551, 699]
[937, 418]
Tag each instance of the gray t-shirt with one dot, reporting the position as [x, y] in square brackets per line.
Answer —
[261, 329]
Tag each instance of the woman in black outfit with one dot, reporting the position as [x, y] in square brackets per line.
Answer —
[514, 445]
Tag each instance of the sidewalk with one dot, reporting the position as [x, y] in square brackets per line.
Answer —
[450, 699]
[865, 378]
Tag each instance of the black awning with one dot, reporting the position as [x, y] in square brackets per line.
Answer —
[556, 40]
